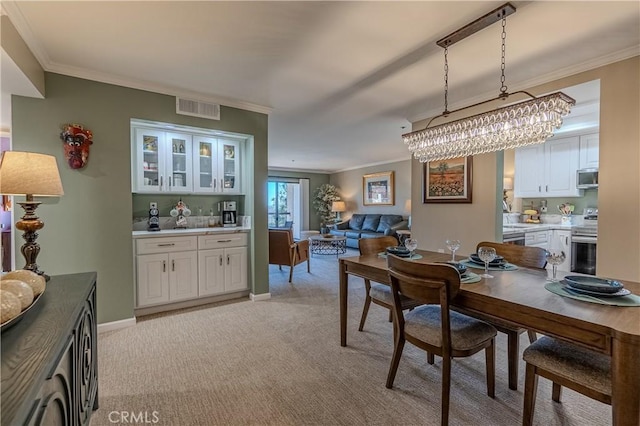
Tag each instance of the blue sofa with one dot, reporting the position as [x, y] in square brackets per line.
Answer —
[369, 226]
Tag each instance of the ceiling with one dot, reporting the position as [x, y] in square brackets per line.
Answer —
[341, 81]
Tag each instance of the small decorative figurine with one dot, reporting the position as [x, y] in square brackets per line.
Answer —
[76, 140]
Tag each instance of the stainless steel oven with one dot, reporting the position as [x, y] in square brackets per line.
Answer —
[584, 242]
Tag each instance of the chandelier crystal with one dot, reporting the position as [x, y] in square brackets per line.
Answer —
[524, 123]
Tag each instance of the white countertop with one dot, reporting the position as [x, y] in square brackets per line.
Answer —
[188, 231]
[512, 228]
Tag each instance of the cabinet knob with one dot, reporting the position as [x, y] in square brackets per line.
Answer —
[220, 260]
[164, 266]
[227, 259]
[173, 265]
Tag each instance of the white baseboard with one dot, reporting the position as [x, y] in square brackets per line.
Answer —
[259, 297]
[116, 325]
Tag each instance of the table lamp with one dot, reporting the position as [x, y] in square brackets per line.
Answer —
[338, 207]
[30, 174]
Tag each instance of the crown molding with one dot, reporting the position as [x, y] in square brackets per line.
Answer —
[570, 70]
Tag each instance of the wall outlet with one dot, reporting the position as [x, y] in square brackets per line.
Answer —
[153, 205]
[440, 250]
[543, 209]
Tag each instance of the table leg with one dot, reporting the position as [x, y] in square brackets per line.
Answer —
[625, 383]
[344, 284]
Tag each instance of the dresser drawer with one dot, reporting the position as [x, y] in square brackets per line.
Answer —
[166, 244]
[221, 241]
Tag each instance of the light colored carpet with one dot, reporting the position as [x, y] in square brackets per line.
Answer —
[279, 362]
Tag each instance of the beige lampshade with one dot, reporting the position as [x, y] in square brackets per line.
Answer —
[407, 205]
[338, 206]
[29, 173]
[507, 183]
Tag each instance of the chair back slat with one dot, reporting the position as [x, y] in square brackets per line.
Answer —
[376, 245]
[525, 256]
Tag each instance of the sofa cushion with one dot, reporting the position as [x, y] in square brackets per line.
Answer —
[352, 234]
[369, 234]
[338, 232]
[356, 221]
[371, 222]
[387, 221]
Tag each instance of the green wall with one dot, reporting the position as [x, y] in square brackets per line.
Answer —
[89, 228]
[315, 180]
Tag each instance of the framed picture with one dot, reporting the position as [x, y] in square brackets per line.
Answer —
[448, 181]
[377, 189]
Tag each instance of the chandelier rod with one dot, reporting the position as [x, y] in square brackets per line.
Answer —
[501, 96]
[477, 25]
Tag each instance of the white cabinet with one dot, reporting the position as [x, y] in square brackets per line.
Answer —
[562, 239]
[537, 239]
[590, 151]
[222, 262]
[161, 161]
[167, 270]
[216, 165]
[547, 170]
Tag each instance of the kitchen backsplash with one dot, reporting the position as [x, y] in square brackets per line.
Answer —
[590, 199]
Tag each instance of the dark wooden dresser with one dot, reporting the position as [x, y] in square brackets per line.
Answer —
[49, 358]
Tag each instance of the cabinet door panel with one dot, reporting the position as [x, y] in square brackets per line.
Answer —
[211, 266]
[590, 151]
[153, 279]
[561, 158]
[229, 165]
[205, 165]
[236, 269]
[529, 170]
[183, 278]
[148, 160]
[179, 163]
[562, 239]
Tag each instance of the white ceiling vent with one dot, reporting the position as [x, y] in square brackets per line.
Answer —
[197, 109]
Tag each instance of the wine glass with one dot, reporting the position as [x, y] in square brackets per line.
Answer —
[486, 254]
[555, 256]
[453, 245]
[411, 244]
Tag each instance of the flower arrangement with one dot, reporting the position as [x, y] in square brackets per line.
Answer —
[324, 196]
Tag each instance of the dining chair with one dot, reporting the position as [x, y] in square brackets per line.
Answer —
[433, 327]
[527, 257]
[380, 294]
[565, 364]
[284, 251]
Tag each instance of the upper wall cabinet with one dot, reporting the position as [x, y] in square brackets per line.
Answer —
[184, 163]
[161, 161]
[547, 170]
[216, 167]
[590, 151]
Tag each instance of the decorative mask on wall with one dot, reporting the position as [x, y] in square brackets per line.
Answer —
[76, 144]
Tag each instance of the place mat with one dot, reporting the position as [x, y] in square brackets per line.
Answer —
[557, 287]
[470, 278]
[416, 256]
[506, 267]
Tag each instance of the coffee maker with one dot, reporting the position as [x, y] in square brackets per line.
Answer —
[229, 213]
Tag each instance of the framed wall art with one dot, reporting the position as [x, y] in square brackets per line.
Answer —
[377, 189]
[448, 181]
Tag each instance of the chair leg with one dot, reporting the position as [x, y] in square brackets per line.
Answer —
[390, 315]
[367, 303]
[280, 267]
[308, 264]
[530, 391]
[532, 336]
[556, 392]
[513, 350]
[430, 358]
[395, 360]
[446, 387]
[490, 360]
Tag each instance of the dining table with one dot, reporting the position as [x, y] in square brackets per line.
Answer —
[519, 297]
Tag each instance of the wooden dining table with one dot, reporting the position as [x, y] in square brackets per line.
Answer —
[519, 297]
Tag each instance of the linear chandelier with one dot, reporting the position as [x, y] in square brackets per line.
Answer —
[525, 123]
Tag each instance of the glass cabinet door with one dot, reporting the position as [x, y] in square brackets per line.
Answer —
[205, 151]
[150, 160]
[179, 178]
[229, 165]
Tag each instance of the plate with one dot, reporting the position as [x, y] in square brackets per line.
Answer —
[399, 251]
[5, 325]
[598, 285]
[621, 292]
[498, 261]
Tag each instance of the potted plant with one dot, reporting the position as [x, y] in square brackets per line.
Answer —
[324, 196]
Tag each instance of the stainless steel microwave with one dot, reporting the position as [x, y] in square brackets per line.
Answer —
[587, 178]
